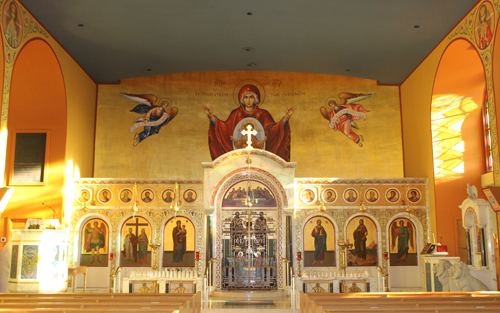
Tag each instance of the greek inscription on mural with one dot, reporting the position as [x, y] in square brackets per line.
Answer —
[212, 94]
[293, 94]
[276, 83]
[219, 83]
[288, 94]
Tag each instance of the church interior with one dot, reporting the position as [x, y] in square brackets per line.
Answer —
[231, 155]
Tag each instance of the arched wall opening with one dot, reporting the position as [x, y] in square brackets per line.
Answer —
[38, 103]
[496, 86]
[457, 137]
[270, 182]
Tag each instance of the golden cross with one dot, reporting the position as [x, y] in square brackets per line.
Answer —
[249, 131]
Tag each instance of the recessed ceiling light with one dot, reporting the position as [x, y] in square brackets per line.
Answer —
[248, 49]
[348, 70]
[80, 25]
[251, 64]
[147, 70]
[249, 13]
[416, 26]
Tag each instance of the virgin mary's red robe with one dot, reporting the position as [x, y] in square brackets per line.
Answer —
[278, 136]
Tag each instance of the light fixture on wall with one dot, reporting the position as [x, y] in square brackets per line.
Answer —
[362, 207]
[322, 207]
[94, 195]
[134, 207]
[176, 206]
[85, 208]
[407, 206]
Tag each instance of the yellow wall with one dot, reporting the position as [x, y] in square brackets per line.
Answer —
[181, 146]
[78, 105]
[416, 96]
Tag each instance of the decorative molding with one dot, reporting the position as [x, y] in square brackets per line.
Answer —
[243, 152]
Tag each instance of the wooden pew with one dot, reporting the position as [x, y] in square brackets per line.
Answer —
[91, 310]
[400, 302]
[184, 303]
[360, 307]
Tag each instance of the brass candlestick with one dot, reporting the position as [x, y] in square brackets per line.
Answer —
[153, 246]
[112, 279]
[343, 245]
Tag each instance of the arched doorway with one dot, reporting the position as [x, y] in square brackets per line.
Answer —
[233, 237]
[249, 237]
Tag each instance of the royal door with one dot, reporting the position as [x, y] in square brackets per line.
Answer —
[249, 250]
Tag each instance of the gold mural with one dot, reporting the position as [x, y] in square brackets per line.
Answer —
[362, 232]
[178, 242]
[136, 235]
[319, 242]
[180, 147]
[95, 239]
[403, 243]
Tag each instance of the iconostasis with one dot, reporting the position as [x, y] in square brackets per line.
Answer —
[116, 222]
[385, 221]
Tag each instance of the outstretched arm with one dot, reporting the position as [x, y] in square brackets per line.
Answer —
[289, 112]
[208, 112]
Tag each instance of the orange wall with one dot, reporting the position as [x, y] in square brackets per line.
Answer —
[38, 102]
[416, 97]
[50, 90]
[460, 73]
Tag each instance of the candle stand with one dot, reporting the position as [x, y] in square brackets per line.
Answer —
[343, 245]
[154, 247]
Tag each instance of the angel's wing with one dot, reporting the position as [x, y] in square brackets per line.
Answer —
[358, 97]
[103, 229]
[325, 113]
[347, 97]
[393, 234]
[144, 99]
[409, 226]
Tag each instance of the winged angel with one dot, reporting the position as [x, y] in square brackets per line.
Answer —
[404, 234]
[155, 115]
[343, 115]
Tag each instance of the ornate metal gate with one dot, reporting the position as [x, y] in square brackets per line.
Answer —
[249, 249]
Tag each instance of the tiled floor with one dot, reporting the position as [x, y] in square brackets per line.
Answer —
[242, 301]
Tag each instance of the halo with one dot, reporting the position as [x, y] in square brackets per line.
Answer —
[20, 22]
[242, 83]
[249, 121]
[330, 99]
[158, 103]
[491, 18]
